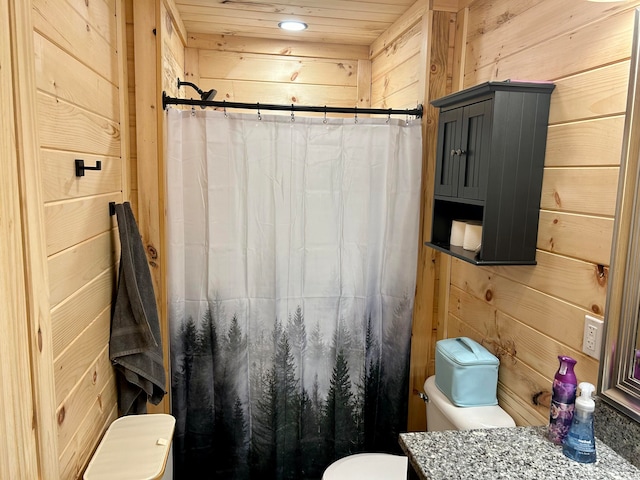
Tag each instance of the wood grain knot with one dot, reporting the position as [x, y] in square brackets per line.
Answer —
[294, 76]
[505, 17]
[596, 309]
[39, 339]
[61, 414]
[95, 376]
[542, 398]
[153, 253]
[602, 273]
[501, 348]
[488, 295]
[556, 198]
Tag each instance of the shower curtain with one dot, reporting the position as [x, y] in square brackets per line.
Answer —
[292, 251]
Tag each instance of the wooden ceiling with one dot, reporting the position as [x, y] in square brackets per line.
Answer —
[350, 22]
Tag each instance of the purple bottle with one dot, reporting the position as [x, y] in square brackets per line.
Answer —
[563, 400]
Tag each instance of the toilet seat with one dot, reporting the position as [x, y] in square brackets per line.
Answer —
[368, 466]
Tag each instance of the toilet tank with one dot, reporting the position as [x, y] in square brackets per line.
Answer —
[443, 415]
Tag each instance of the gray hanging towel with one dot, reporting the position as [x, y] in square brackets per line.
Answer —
[135, 346]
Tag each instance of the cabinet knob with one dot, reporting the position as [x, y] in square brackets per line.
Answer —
[453, 152]
[458, 152]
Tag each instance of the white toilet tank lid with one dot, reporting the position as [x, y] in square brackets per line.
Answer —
[466, 418]
[368, 466]
[134, 447]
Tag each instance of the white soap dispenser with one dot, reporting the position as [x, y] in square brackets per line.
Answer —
[580, 442]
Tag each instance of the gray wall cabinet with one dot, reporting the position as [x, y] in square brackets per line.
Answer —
[489, 164]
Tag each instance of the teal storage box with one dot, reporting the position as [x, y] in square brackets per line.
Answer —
[466, 372]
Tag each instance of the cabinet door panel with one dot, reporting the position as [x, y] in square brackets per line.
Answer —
[476, 136]
[448, 162]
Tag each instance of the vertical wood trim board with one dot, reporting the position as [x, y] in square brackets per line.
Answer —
[364, 83]
[35, 265]
[18, 439]
[437, 72]
[167, 42]
[123, 100]
[459, 56]
[150, 213]
[427, 264]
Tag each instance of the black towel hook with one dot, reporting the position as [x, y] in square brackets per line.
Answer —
[81, 167]
[112, 208]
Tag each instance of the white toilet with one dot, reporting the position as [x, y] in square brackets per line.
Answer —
[441, 415]
[135, 447]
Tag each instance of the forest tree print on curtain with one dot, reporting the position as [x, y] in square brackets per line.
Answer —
[290, 350]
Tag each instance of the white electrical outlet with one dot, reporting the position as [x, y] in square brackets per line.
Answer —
[592, 339]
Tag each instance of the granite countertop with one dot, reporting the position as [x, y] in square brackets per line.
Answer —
[505, 453]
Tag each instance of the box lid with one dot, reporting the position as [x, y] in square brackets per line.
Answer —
[465, 351]
[135, 447]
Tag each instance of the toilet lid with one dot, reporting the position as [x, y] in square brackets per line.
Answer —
[134, 447]
[368, 466]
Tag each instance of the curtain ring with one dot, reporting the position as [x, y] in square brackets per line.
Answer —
[389, 117]
[293, 118]
[355, 115]
[325, 115]
[406, 122]
[224, 108]
[193, 111]
[259, 115]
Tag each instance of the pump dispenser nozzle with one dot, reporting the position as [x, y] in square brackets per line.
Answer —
[585, 401]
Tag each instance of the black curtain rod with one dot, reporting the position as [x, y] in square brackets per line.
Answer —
[166, 100]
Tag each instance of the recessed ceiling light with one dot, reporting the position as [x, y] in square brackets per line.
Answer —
[293, 25]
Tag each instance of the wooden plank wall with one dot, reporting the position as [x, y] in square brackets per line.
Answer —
[529, 315]
[282, 72]
[398, 61]
[79, 53]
